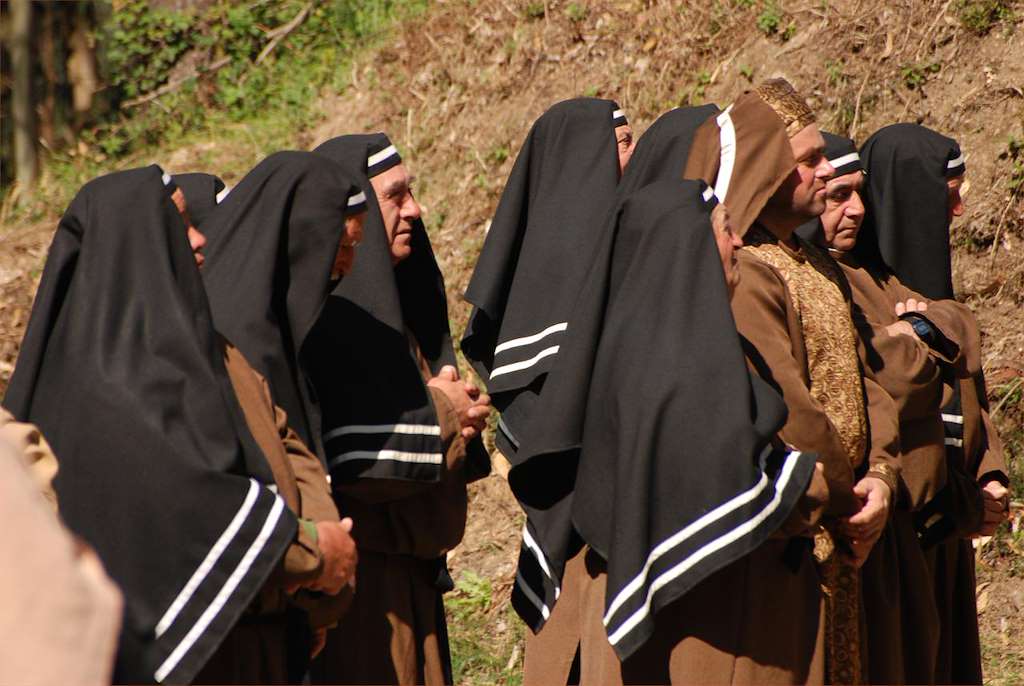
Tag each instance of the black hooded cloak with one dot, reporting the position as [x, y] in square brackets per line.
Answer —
[378, 417]
[272, 243]
[655, 439]
[123, 372]
[662, 151]
[538, 250]
[906, 226]
[202, 193]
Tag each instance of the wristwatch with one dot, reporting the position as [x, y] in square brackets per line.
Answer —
[922, 327]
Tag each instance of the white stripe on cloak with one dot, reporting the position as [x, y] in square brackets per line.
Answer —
[225, 592]
[707, 549]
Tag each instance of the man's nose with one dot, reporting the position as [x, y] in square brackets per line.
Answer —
[825, 169]
[411, 209]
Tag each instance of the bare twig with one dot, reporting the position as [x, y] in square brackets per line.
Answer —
[279, 34]
[852, 132]
[176, 84]
[999, 229]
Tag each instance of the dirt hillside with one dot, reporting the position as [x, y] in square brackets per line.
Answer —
[458, 88]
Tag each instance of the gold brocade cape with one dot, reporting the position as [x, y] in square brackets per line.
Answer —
[813, 281]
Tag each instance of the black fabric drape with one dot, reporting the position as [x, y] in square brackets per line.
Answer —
[379, 419]
[272, 243]
[654, 439]
[662, 151]
[906, 226]
[538, 249]
[123, 373]
[201, 192]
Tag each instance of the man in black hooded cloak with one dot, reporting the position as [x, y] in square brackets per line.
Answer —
[538, 248]
[122, 370]
[912, 194]
[401, 432]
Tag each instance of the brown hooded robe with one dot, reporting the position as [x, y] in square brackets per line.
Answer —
[936, 643]
[793, 305]
[256, 650]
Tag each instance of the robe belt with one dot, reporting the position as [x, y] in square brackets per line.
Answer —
[841, 586]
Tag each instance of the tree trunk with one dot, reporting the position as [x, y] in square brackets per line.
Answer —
[22, 109]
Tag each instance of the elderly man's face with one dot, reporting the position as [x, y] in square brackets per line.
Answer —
[844, 211]
[625, 145]
[399, 209]
[195, 239]
[802, 195]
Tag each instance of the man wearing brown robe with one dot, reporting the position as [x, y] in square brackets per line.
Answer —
[903, 620]
[397, 433]
[323, 556]
[793, 306]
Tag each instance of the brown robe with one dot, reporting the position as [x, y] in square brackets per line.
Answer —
[938, 641]
[793, 305]
[714, 634]
[394, 632]
[61, 613]
[257, 648]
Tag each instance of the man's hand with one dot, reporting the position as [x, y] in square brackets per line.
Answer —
[902, 328]
[472, 406]
[997, 506]
[911, 305]
[863, 528]
[340, 556]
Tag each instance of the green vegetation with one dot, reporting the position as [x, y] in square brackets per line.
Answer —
[231, 71]
[1015, 154]
[576, 12]
[485, 634]
[981, 16]
[916, 74]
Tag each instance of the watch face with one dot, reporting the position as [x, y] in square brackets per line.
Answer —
[921, 327]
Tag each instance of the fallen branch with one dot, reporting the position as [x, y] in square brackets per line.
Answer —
[176, 84]
[279, 34]
[999, 229]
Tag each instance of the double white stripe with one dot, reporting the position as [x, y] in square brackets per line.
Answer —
[707, 549]
[530, 594]
[406, 429]
[955, 442]
[527, 340]
[240, 571]
[953, 418]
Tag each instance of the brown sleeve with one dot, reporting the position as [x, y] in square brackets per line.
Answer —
[764, 316]
[954, 321]
[805, 516]
[27, 440]
[902, 365]
[316, 502]
[884, 449]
